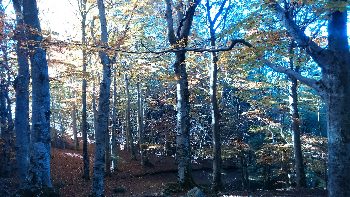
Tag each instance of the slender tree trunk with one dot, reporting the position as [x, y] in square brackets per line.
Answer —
[215, 125]
[103, 109]
[114, 152]
[40, 153]
[5, 133]
[94, 108]
[140, 126]
[86, 160]
[183, 149]
[74, 127]
[5, 112]
[298, 155]
[129, 136]
[22, 100]
[213, 72]
[108, 153]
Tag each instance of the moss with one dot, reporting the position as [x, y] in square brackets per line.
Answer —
[119, 190]
[43, 192]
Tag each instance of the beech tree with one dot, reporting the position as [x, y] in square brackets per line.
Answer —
[103, 108]
[179, 38]
[40, 134]
[334, 87]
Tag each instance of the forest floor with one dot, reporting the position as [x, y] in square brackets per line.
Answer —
[132, 179]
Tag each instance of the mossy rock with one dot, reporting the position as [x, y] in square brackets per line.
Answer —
[119, 190]
[43, 192]
[172, 188]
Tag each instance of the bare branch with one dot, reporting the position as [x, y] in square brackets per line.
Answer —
[219, 11]
[315, 84]
[321, 56]
[170, 22]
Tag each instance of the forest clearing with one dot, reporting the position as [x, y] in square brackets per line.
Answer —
[187, 98]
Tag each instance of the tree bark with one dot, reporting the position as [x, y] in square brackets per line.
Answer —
[108, 153]
[298, 155]
[140, 127]
[40, 136]
[183, 149]
[86, 161]
[213, 72]
[103, 109]
[334, 88]
[114, 152]
[21, 85]
[129, 136]
[74, 127]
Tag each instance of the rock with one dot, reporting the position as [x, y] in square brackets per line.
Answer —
[195, 192]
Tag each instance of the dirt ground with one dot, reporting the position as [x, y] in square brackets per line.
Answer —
[132, 179]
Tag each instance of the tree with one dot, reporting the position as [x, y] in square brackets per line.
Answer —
[180, 39]
[114, 150]
[213, 67]
[298, 155]
[140, 124]
[83, 10]
[40, 135]
[334, 87]
[103, 108]
[128, 132]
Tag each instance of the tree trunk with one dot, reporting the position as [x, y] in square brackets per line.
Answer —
[103, 109]
[40, 139]
[129, 136]
[5, 133]
[94, 108]
[216, 185]
[298, 155]
[334, 87]
[114, 151]
[21, 85]
[74, 127]
[108, 153]
[183, 149]
[86, 160]
[140, 126]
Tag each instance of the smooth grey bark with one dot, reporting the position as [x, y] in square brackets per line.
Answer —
[298, 155]
[74, 126]
[5, 119]
[213, 74]
[83, 13]
[140, 125]
[183, 149]
[94, 108]
[114, 150]
[103, 109]
[108, 153]
[334, 88]
[128, 129]
[40, 135]
[5, 133]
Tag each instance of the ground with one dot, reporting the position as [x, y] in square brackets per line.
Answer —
[132, 179]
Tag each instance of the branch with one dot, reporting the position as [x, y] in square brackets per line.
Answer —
[219, 11]
[170, 22]
[315, 84]
[321, 56]
[201, 50]
[95, 46]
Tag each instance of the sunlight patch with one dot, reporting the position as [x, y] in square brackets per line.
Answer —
[74, 155]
